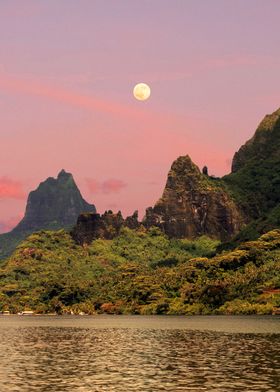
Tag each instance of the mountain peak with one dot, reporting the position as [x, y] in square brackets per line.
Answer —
[183, 169]
[63, 174]
[183, 163]
[269, 121]
[55, 204]
[193, 204]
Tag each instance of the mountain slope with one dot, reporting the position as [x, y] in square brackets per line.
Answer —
[55, 204]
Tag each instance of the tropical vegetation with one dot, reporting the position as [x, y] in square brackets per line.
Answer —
[141, 272]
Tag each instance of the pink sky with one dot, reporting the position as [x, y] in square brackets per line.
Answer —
[67, 70]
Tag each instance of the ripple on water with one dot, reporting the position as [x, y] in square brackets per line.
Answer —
[55, 359]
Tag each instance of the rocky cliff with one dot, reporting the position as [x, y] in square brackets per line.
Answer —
[107, 226]
[55, 204]
[194, 204]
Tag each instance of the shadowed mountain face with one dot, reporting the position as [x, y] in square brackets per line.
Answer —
[55, 204]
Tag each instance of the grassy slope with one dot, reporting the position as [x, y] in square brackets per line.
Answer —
[141, 272]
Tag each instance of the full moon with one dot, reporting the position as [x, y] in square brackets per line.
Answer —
[141, 91]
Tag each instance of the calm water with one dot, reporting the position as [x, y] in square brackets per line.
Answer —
[137, 353]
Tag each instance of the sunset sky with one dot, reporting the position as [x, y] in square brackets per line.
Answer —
[67, 71]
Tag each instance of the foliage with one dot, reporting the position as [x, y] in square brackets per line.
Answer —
[256, 186]
[141, 272]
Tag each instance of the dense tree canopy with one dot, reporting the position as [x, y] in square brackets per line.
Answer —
[141, 272]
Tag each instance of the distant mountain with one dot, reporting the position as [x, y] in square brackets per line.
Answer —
[55, 204]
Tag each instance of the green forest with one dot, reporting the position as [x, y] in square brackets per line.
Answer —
[141, 272]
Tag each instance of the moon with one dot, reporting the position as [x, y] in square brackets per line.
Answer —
[141, 91]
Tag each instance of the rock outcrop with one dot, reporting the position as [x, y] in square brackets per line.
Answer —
[194, 204]
[107, 226]
[55, 204]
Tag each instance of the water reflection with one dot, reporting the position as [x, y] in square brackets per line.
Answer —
[124, 359]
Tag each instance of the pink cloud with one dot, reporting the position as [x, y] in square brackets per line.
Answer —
[112, 185]
[93, 185]
[9, 224]
[11, 189]
[60, 94]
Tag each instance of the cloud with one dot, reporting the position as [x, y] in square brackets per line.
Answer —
[11, 189]
[31, 86]
[112, 185]
[10, 223]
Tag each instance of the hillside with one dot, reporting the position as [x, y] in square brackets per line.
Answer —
[55, 204]
[240, 206]
[141, 272]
